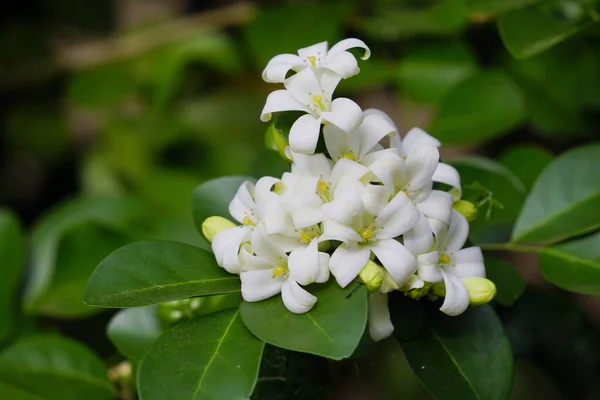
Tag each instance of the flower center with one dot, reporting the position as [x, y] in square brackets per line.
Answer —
[308, 234]
[323, 191]
[366, 233]
[349, 155]
[280, 269]
[312, 60]
[444, 259]
[318, 100]
[248, 221]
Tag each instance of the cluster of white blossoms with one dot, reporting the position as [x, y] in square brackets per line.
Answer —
[365, 209]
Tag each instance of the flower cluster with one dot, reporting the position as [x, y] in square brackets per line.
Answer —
[367, 208]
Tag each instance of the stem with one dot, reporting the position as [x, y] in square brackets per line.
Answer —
[511, 247]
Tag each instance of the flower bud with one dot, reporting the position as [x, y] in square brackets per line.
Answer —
[372, 276]
[466, 208]
[213, 225]
[274, 140]
[481, 290]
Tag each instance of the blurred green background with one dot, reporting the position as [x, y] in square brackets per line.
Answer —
[112, 111]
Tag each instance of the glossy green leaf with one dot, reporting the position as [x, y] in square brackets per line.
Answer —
[12, 262]
[504, 186]
[146, 273]
[564, 200]
[526, 162]
[407, 315]
[133, 331]
[315, 332]
[509, 284]
[117, 214]
[427, 73]
[481, 107]
[467, 357]
[210, 357]
[532, 30]
[573, 265]
[497, 6]
[7, 391]
[55, 368]
[213, 197]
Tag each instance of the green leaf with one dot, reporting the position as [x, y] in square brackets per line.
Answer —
[573, 265]
[317, 331]
[153, 272]
[12, 262]
[481, 107]
[564, 200]
[464, 357]
[504, 186]
[427, 73]
[407, 315]
[55, 368]
[8, 391]
[532, 30]
[509, 284]
[212, 198]
[526, 162]
[102, 86]
[210, 357]
[133, 331]
[118, 214]
[497, 6]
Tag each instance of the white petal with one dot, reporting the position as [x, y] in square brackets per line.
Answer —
[468, 262]
[304, 134]
[346, 44]
[318, 50]
[263, 189]
[417, 136]
[303, 86]
[311, 165]
[346, 170]
[323, 267]
[296, 299]
[388, 167]
[457, 234]
[346, 207]
[265, 247]
[278, 67]
[376, 111]
[428, 269]
[419, 239]
[457, 297]
[394, 257]
[307, 211]
[280, 100]
[380, 323]
[343, 64]
[242, 204]
[275, 217]
[226, 246]
[286, 242]
[447, 174]
[338, 142]
[260, 284]
[347, 262]
[345, 114]
[335, 231]
[328, 81]
[421, 163]
[375, 198]
[373, 128]
[303, 263]
[397, 217]
[437, 206]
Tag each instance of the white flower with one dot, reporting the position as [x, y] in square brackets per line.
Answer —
[337, 59]
[268, 270]
[312, 94]
[362, 233]
[443, 259]
[380, 323]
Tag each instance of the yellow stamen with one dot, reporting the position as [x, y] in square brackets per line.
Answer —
[366, 233]
[318, 99]
[322, 186]
[349, 155]
[247, 221]
[312, 60]
[444, 259]
[278, 187]
[279, 270]
[306, 237]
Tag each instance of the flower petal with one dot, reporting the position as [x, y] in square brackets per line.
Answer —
[304, 134]
[280, 100]
[278, 67]
[457, 297]
[350, 43]
[428, 269]
[226, 246]
[388, 167]
[346, 171]
[468, 262]
[296, 299]
[346, 207]
[417, 136]
[456, 236]
[419, 239]
[340, 143]
[447, 174]
[242, 204]
[302, 87]
[394, 257]
[260, 284]
[345, 114]
[319, 51]
[380, 323]
[303, 263]
[375, 198]
[373, 128]
[265, 247]
[344, 64]
[397, 217]
[323, 268]
[437, 206]
[311, 165]
[347, 262]
[307, 210]
[421, 163]
[335, 231]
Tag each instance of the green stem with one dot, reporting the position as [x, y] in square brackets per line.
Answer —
[511, 247]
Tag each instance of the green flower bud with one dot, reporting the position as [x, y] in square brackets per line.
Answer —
[466, 208]
[438, 289]
[275, 140]
[481, 290]
[372, 276]
[213, 225]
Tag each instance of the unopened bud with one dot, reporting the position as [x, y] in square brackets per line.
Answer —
[466, 208]
[372, 276]
[275, 140]
[213, 225]
[481, 290]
